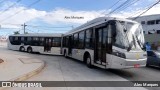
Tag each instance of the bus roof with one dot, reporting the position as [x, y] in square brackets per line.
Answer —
[40, 34]
[95, 22]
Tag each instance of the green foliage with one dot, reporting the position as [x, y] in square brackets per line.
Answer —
[16, 32]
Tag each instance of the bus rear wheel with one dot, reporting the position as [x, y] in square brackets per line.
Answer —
[88, 62]
[29, 50]
[22, 49]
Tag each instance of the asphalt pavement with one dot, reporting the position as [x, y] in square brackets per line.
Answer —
[58, 68]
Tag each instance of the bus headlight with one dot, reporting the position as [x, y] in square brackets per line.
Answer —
[122, 55]
[119, 54]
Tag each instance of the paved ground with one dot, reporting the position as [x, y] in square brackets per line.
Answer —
[17, 67]
[141, 74]
[61, 69]
[3, 43]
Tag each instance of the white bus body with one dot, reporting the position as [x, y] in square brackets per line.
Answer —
[107, 42]
[36, 42]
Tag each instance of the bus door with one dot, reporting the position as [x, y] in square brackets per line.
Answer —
[101, 45]
[47, 44]
[70, 45]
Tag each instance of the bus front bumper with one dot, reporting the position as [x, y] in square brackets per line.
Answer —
[121, 63]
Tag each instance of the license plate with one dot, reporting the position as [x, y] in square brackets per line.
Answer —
[136, 65]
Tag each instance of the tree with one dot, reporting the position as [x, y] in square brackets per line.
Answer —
[26, 32]
[16, 32]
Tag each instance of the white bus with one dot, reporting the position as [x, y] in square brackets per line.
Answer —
[37, 42]
[107, 42]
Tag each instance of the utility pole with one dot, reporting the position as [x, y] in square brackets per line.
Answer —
[24, 27]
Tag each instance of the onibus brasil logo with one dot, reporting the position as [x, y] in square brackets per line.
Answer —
[20, 84]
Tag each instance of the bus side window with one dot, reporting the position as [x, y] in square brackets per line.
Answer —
[81, 40]
[56, 42]
[67, 41]
[89, 38]
[22, 40]
[17, 40]
[109, 34]
[41, 41]
[29, 39]
[75, 45]
[113, 32]
[64, 41]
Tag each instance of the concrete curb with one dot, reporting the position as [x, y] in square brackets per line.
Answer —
[27, 75]
[30, 74]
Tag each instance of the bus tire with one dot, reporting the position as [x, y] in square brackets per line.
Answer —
[22, 49]
[88, 61]
[29, 50]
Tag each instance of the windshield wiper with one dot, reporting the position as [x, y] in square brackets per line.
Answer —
[139, 43]
[131, 44]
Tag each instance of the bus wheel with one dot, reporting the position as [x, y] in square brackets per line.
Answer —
[22, 49]
[29, 50]
[88, 62]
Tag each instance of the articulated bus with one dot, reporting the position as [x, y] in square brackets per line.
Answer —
[107, 42]
[37, 42]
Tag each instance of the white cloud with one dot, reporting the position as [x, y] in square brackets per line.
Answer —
[154, 10]
[57, 16]
[135, 11]
[25, 15]
[53, 17]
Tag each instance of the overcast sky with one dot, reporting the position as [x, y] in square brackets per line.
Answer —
[46, 14]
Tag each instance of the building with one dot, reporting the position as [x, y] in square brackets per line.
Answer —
[3, 38]
[151, 27]
[150, 23]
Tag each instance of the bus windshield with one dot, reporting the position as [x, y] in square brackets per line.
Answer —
[131, 35]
